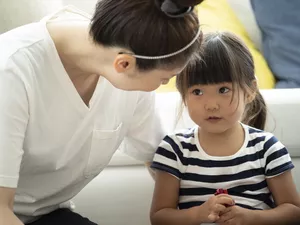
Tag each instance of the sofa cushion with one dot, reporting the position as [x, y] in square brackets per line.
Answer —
[279, 22]
[243, 11]
[218, 15]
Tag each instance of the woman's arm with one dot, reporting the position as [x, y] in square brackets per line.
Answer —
[6, 207]
[145, 129]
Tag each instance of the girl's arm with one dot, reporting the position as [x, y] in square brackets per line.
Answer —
[165, 200]
[287, 211]
[287, 200]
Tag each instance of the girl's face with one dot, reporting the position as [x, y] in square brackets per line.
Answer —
[216, 107]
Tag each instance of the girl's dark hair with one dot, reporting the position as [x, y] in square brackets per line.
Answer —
[225, 58]
[141, 27]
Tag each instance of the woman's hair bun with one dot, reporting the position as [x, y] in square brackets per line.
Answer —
[172, 8]
[188, 3]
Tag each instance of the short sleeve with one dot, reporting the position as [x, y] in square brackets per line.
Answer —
[276, 157]
[146, 131]
[169, 157]
[13, 123]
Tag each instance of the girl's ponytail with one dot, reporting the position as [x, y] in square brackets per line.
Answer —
[256, 112]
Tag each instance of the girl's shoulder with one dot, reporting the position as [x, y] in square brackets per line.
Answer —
[261, 137]
[180, 139]
[256, 132]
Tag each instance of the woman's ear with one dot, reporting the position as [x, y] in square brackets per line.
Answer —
[124, 63]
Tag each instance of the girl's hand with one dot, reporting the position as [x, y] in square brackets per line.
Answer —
[216, 205]
[235, 215]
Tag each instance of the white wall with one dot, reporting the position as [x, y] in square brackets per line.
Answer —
[15, 13]
[85, 5]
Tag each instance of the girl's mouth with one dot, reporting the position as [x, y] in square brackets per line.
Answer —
[213, 119]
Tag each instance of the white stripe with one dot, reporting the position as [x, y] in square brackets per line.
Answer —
[238, 200]
[166, 161]
[224, 185]
[277, 162]
[230, 170]
[250, 202]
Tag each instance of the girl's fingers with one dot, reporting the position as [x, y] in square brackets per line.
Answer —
[225, 200]
[219, 208]
[213, 217]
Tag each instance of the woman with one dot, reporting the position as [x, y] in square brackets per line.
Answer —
[73, 89]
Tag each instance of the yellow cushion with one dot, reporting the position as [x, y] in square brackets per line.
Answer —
[218, 15]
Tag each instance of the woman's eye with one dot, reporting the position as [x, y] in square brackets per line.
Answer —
[224, 90]
[197, 92]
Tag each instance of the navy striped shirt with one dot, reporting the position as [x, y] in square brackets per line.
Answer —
[242, 174]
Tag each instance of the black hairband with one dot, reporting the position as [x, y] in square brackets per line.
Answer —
[172, 9]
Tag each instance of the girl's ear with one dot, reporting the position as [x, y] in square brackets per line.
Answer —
[184, 101]
[251, 94]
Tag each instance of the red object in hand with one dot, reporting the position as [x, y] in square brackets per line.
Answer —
[221, 191]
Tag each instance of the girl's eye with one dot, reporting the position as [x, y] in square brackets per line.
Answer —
[224, 90]
[197, 92]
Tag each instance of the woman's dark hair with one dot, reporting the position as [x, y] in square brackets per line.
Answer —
[225, 58]
[187, 3]
[141, 27]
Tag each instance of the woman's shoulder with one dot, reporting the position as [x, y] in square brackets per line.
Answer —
[23, 37]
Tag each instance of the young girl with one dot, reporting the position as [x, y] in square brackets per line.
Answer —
[221, 152]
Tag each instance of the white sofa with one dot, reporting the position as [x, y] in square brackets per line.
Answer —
[121, 194]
